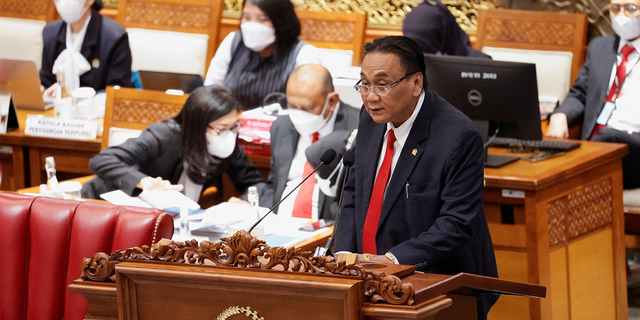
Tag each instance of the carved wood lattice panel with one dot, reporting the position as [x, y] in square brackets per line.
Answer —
[388, 13]
[169, 15]
[580, 212]
[557, 213]
[30, 7]
[140, 111]
[590, 208]
[327, 31]
[534, 32]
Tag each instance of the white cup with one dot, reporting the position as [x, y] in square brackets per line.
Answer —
[62, 108]
[83, 100]
[71, 188]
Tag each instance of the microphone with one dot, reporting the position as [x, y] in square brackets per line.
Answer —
[347, 160]
[326, 158]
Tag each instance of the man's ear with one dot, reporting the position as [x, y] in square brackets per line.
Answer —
[418, 82]
[333, 98]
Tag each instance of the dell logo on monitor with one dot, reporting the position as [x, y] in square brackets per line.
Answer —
[474, 97]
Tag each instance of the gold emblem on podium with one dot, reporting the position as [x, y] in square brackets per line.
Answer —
[232, 311]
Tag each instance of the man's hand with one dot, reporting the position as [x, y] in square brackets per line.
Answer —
[558, 127]
[149, 183]
[367, 258]
[238, 201]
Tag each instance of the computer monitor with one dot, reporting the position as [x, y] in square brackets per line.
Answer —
[163, 81]
[495, 94]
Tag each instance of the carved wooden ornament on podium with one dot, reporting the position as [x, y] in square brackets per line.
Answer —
[244, 251]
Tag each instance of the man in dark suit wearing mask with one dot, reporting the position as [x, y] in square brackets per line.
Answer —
[605, 97]
[415, 193]
[315, 115]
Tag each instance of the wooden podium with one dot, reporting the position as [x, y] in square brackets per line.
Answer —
[241, 277]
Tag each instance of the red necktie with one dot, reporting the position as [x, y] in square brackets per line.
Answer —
[302, 205]
[375, 204]
[621, 73]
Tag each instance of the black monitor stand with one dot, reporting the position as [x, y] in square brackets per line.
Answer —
[492, 160]
[497, 161]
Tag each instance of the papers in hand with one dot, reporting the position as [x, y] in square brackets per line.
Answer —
[168, 200]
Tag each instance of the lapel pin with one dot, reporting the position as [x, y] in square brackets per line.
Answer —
[414, 152]
[95, 63]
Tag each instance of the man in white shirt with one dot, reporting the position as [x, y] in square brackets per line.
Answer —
[605, 96]
[314, 113]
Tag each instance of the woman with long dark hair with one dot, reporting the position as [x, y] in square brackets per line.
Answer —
[188, 152]
[258, 59]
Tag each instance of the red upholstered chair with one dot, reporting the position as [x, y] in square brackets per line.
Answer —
[42, 244]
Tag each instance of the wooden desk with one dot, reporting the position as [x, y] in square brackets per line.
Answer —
[559, 223]
[29, 154]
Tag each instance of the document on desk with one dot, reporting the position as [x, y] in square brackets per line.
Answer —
[225, 219]
[168, 200]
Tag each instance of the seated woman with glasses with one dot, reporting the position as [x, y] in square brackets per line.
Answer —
[187, 153]
[258, 59]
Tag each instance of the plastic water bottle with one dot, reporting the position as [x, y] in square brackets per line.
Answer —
[53, 188]
[252, 196]
[185, 232]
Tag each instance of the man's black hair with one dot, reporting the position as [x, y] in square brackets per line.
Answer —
[409, 52]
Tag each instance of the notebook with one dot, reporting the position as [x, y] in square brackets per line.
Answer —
[21, 79]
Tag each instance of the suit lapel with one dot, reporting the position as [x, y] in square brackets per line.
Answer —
[604, 71]
[287, 149]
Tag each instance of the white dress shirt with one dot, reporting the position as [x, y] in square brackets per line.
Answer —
[297, 168]
[401, 132]
[626, 116]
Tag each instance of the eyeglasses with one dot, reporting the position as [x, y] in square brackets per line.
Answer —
[630, 9]
[220, 132]
[364, 89]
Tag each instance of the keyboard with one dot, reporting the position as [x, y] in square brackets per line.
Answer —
[518, 145]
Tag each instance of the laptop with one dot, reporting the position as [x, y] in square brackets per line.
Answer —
[22, 80]
[163, 81]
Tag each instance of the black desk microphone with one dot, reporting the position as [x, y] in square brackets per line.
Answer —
[326, 158]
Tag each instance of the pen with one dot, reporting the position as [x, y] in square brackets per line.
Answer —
[406, 189]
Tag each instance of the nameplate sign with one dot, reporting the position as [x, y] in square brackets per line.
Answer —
[61, 128]
[508, 193]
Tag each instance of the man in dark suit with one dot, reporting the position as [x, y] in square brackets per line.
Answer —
[435, 29]
[314, 110]
[604, 98]
[414, 194]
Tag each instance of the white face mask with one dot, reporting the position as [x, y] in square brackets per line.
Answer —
[221, 146]
[71, 10]
[625, 27]
[257, 36]
[306, 123]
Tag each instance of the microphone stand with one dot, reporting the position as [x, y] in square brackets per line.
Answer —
[326, 250]
[327, 157]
